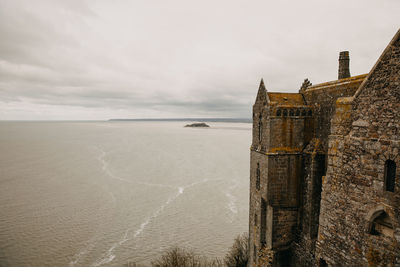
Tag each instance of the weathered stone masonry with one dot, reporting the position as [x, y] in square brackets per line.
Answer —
[324, 187]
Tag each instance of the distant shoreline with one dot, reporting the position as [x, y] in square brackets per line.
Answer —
[232, 120]
[240, 120]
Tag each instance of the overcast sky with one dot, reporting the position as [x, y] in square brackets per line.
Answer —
[76, 59]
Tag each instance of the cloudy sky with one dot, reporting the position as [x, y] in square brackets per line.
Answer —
[75, 59]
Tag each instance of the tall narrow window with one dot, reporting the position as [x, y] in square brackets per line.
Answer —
[390, 175]
[259, 128]
[263, 222]
[258, 177]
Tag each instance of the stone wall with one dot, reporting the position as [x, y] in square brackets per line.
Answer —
[257, 159]
[354, 198]
[288, 132]
[322, 98]
[283, 179]
[284, 227]
[328, 190]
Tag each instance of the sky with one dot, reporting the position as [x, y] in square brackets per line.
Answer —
[103, 59]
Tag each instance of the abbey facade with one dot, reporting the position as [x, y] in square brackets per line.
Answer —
[325, 170]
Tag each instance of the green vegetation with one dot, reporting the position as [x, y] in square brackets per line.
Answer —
[237, 256]
[181, 257]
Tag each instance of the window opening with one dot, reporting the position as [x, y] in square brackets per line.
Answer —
[390, 175]
[381, 225]
[322, 263]
[258, 177]
[263, 222]
[259, 129]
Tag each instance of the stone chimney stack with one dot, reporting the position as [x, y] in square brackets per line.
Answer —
[344, 65]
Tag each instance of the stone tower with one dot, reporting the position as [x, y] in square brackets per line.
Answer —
[282, 124]
[317, 198]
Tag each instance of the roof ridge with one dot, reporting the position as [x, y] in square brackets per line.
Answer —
[386, 50]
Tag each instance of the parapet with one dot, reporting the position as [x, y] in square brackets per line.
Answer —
[286, 99]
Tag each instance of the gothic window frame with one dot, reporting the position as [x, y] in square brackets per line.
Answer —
[285, 113]
[278, 113]
[291, 112]
[381, 219]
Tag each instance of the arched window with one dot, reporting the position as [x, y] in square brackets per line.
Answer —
[390, 175]
[310, 113]
[258, 177]
[284, 113]
[303, 112]
[291, 112]
[297, 112]
[278, 112]
[259, 128]
[381, 224]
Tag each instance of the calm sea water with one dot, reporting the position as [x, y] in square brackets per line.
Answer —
[108, 193]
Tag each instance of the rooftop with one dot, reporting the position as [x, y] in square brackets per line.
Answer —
[348, 82]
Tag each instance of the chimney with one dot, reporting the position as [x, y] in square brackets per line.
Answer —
[344, 62]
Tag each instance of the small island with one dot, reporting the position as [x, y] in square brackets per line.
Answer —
[197, 124]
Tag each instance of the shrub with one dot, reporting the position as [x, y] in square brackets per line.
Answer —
[179, 257]
[131, 264]
[238, 255]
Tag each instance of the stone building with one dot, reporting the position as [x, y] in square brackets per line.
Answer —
[324, 186]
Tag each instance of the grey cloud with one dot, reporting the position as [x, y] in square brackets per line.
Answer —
[176, 58]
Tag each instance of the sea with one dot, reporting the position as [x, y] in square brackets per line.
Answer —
[116, 192]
